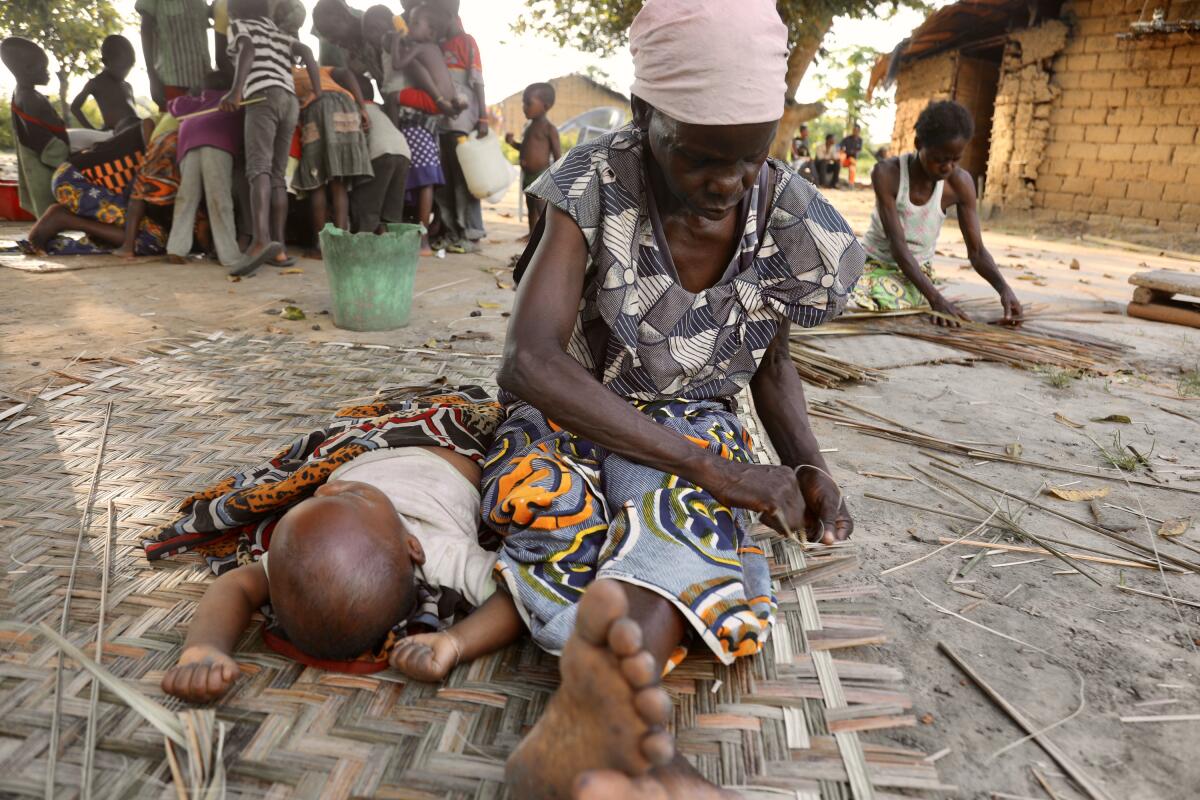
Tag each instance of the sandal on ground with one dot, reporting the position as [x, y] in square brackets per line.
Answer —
[249, 264]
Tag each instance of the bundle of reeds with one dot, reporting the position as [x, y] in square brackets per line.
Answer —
[1029, 346]
[818, 368]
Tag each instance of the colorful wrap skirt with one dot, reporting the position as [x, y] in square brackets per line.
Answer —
[157, 179]
[570, 512]
[883, 287]
[83, 198]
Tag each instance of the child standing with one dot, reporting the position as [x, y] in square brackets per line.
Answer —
[113, 93]
[41, 135]
[541, 146]
[333, 146]
[208, 144]
[263, 58]
[175, 46]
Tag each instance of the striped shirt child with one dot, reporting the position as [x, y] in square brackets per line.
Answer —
[273, 59]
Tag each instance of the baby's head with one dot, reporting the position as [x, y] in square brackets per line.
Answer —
[428, 22]
[118, 55]
[26, 61]
[537, 99]
[342, 571]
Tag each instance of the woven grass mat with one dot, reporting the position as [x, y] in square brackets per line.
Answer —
[788, 723]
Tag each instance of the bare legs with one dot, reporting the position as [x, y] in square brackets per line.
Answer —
[425, 215]
[57, 219]
[134, 214]
[602, 734]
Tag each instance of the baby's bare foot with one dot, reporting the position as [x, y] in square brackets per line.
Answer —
[609, 712]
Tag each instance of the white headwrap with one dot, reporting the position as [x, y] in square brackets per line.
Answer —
[711, 62]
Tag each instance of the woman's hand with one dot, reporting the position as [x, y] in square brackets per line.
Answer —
[202, 675]
[944, 306]
[1013, 312]
[826, 518]
[770, 490]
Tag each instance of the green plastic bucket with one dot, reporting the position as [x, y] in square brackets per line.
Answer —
[371, 276]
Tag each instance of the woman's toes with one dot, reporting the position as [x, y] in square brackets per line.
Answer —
[639, 670]
[625, 638]
[603, 603]
[658, 748]
[653, 706]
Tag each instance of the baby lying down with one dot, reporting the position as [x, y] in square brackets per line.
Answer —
[345, 565]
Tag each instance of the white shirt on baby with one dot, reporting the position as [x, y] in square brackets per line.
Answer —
[439, 506]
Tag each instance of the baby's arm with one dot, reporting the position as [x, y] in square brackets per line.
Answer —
[206, 667]
[77, 106]
[431, 656]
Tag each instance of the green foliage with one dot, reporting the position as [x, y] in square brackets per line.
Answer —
[844, 75]
[69, 30]
[1059, 378]
[7, 140]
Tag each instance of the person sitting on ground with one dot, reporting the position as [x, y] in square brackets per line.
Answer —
[334, 155]
[540, 145]
[263, 58]
[174, 46]
[209, 141]
[40, 133]
[113, 93]
[850, 146]
[828, 165]
[91, 190]
[155, 185]
[672, 261]
[361, 533]
[912, 193]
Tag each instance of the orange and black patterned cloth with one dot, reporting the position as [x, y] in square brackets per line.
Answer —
[112, 163]
[230, 523]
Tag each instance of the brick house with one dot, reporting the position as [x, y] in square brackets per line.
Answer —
[574, 94]
[1083, 110]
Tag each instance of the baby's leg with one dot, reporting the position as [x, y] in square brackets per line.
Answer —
[429, 57]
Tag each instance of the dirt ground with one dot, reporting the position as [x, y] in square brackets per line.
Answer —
[1128, 655]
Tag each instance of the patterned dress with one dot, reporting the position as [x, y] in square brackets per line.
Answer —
[569, 510]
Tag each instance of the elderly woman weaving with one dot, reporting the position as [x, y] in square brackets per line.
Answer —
[673, 258]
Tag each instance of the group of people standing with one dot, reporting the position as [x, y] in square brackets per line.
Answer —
[269, 123]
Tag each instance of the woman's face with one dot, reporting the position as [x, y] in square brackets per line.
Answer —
[939, 161]
[708, 168]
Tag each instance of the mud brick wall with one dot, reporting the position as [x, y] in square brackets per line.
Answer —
[921, 81]
[1021, 123]
[1122, 144]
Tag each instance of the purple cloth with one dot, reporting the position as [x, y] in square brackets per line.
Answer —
[219, 129]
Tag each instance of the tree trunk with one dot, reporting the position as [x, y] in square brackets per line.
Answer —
[799, 60]
[64, 105]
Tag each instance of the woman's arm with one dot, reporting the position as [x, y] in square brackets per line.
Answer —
[885, 178]
[206, 667]
[980, 258]
[779, 400]
[77, 106]
[537, 369]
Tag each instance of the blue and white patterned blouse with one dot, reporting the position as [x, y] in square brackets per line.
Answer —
[648, 338]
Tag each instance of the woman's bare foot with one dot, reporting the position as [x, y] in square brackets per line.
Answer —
[609, 712]
[125, 251]
[53, 221]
